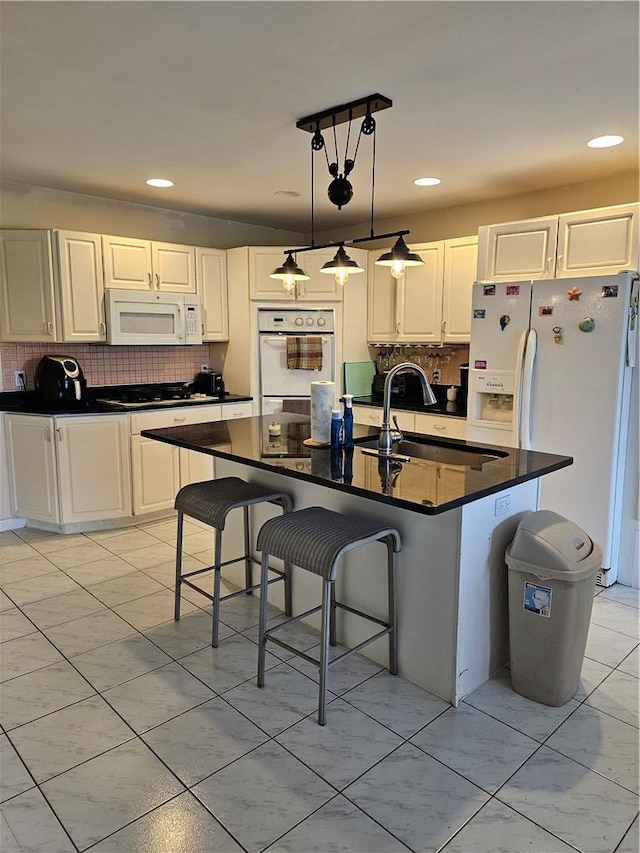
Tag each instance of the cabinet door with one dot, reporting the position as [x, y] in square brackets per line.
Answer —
[262, 261]
[174, 267]
[155, 473]
[81, 282]
[26, 286]
[236, 410]
[439, 425]
[94, 471]
[321, 287]
[33, 484]
[195, 467]
[598, 242]
[513, 251]
[419, 315]
[381, 310]
[127, 263]
[372, 416]
[211, 282]
[460, 262]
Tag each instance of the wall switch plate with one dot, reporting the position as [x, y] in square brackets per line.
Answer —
[436, 375]
[503, 505]
[205, 367]
[21, 380]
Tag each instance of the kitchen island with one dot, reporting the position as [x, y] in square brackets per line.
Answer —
[455, 512]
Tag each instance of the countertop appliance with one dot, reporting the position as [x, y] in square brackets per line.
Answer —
[136, 318]
[209, 383]
[277, 382]
[59, 379]
[551, 369]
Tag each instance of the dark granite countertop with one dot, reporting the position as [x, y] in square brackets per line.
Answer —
[457, 409]
[26, 402]
[429, 488]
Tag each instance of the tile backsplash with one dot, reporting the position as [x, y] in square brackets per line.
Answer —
[108, 365]
[447, 359]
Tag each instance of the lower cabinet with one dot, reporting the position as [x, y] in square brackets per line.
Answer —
[449, 427]
[64, 470]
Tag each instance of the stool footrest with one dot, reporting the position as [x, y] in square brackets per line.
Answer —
[360, 613]
[222, 565]
[243, 591]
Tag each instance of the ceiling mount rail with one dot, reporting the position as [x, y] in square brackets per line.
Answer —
[343, 113]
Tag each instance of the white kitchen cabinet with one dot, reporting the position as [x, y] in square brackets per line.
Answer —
[440, 425]
[372, 416]
[27, 301]
[134, 264]
[52, 287]
[428, 304]
[94, 472]
[211, 284]
[160, 470]
[260, 262]
[66, 470]
[230, 411]
[81, 286]
[590, 242]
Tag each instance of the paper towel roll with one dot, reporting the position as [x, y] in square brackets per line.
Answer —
[322, 402]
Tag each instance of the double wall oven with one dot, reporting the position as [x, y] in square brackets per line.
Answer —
[282, 388]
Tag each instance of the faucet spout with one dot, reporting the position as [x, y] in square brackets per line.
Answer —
[387, 435]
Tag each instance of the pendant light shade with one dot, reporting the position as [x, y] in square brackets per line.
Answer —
[341, 266]
[289, 273]
[399, 258]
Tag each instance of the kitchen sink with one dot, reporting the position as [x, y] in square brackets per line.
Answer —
[428, 451]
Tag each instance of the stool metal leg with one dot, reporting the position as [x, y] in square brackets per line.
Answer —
[262, 642]
[332, 620]
[176, 605]
[248, 565]
[324, 651]
[393, 640]
[216, 588]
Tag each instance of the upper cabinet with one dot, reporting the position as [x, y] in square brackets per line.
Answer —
[430, 303]
[51, 286]
[132, 264]
[590, 242]
[211, 279]
[261, 262]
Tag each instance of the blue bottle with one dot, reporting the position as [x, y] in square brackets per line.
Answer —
[336, 429]
[347, 419]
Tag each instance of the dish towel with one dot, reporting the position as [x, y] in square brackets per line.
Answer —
[304, 352]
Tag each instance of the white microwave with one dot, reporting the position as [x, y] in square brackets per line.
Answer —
[135, 318]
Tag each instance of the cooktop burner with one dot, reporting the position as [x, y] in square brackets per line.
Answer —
[141, 395]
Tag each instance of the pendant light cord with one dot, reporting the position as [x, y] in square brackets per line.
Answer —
[313, 206]
[373, 177]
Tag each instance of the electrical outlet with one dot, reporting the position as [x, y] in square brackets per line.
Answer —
[21, 380]
[205, 367]
[436, 375]
[503, 505]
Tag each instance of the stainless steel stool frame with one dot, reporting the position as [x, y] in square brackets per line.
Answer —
[328, 627]
[180, 578]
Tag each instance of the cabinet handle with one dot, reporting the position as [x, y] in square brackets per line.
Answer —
[103, 328]
[550, 261]
[398, 327]
[157, 281]
[47, 434]
[443, 326]
[439, 428]
[202, 324]
[49, 327]
[60, 434]
[149, 279]
[178, 420]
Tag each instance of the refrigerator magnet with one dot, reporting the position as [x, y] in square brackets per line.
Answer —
[489, 290]
[557, 334]
[587, 324]
[480, 365]
[609, 290]
[574, 294]
[479, 313]
[545, 311]
[504, 321]
[512, 290]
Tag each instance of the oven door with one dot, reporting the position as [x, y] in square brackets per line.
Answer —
[277, 381]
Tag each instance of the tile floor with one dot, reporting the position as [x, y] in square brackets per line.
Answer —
[124, 731]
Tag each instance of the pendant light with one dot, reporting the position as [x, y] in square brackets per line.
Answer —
[399, 258]
[342, 266]
[289, 273]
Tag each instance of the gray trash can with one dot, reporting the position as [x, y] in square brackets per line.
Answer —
[552, 572]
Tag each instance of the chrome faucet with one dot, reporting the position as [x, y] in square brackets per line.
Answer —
[387, 435]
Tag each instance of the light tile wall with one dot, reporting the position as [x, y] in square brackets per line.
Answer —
[108, 365]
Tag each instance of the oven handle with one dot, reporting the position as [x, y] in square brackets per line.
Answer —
[283, 338]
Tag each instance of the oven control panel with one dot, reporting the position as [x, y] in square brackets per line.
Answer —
[295, 321]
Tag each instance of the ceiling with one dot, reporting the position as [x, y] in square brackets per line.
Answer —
[495, 98]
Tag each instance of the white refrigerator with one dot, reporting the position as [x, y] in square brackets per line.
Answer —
[551, 367]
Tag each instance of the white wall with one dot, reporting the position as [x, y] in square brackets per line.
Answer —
[22, 206]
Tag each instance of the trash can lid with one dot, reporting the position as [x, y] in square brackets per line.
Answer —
[549, 545]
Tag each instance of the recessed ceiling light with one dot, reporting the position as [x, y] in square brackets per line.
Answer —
[287, 194]
[605, 141]
[159, 182]
[426, 182]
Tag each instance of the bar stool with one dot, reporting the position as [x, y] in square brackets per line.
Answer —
[314, 539]
[211, 502]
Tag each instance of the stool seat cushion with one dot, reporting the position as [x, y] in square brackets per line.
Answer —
[210, 502]
[315, 537]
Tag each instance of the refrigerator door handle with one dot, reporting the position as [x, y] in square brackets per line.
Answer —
[527, 382]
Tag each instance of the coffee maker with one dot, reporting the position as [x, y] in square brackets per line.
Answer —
[59, 379]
